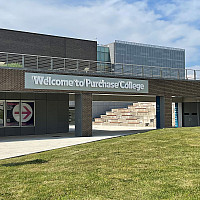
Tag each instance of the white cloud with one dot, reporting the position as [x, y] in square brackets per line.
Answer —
[173, 24]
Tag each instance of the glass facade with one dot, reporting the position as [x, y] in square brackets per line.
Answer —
[147, 60]
[103, 54]
[139, 54]
[103, 58]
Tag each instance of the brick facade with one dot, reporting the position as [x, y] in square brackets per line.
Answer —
[47, 45]
[83, 114]
[13, 80]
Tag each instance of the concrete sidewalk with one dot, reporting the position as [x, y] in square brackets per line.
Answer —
[14, 146]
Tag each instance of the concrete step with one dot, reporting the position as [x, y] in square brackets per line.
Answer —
[98, 120]
[139, 114]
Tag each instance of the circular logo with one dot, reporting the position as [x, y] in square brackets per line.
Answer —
[16, 113]
[26, 112]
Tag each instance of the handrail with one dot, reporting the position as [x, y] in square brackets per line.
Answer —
[37, 62]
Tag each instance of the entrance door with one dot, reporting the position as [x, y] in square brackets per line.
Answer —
[190, 116]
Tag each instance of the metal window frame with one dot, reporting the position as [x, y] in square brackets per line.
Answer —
[3, 101]
[20, 110]
[27, 101]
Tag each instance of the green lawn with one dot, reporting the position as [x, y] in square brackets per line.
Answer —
[160, 164]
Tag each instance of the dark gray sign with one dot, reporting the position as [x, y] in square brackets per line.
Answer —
[84, 83]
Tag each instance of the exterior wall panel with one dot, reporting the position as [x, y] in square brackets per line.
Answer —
[63, 116]
[2, 132]
[27, 130]
[12, 131]
[52, 116]
[40, 119]
[46, 45]
[157, 87]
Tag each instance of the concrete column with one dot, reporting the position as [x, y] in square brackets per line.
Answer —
[83, 114]
[163, 111]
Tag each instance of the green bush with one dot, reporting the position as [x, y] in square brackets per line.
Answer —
[18, 65]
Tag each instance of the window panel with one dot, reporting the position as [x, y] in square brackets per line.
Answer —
[12, 113]
[1, 113]
[27, 113]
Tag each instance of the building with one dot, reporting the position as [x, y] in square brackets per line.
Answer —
[40, 74]
[139, 60]
[147, 60]
[39, 53]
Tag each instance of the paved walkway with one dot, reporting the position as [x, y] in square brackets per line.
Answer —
[14, 146]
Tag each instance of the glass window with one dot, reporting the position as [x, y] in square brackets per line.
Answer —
[107, 58]
[27, 113]
[98, 48]
[102, 49]
[103, 57]
[98, 56]
[12, 114]
[107, 49]
[1, 113]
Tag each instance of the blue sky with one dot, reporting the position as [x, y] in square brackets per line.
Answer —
[173, 23]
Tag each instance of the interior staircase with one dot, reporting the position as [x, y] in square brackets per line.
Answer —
[140, 114]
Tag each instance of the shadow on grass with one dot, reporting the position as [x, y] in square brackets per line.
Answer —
[36, 161]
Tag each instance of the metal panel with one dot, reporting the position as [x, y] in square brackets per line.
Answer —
[2, 95]
[27, 130]
[28, 96]
[12, 131]
[190, 115]
[13, 95]
[52, 117]
[63, 116]
[40, 96]
[2, 132]
[40, 117]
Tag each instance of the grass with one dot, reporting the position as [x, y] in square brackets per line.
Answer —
[160, 164]
[15, 65]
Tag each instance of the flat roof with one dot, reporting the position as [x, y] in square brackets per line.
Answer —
[34, 33]
[148, 45]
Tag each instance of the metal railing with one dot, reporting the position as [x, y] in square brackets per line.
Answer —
[46, 63]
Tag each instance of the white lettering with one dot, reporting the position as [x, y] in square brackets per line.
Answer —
[46, 82]
[38, 80]
[58, 82]
[112, 85]
[89, 83]
[70, 83]
[121, 84]
[81, 83]
[117, 85]
[100, 84]
[53, 82]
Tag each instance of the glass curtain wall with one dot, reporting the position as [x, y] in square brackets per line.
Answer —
[146, 60]
[103, 58]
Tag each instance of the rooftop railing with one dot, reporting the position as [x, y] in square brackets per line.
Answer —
[46, 63]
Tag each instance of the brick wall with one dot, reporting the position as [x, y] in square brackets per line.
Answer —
[13, 80]
[87, 114]
[46, 45]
